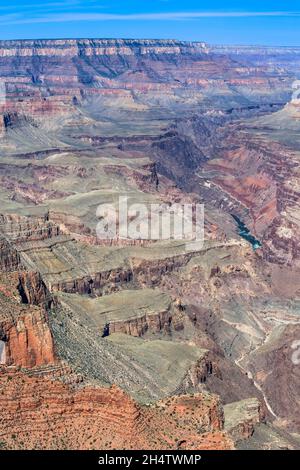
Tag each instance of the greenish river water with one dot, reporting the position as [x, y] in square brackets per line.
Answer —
[245, 233]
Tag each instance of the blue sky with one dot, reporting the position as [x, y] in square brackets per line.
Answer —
[270, 22]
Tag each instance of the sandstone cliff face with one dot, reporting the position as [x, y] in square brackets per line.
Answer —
[156, 322]
[28, 342]
[9, 257]
[135, 312]
[24, 330]
[18, 229]
[103, 282]
[33, 290]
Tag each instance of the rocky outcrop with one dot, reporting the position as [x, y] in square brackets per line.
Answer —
[134, 312]
[242, 417]
[269, 437]
[24, 330]
[150, 272]
[43, 414]
[155, 322]
[142, 273]
[199, 373]
[39, 246]
[9, 256]
[33, 290]
[104, 282]
[29, 193]
[28, 341]
[19, 229]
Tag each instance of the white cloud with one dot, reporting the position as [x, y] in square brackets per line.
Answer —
[71, 17]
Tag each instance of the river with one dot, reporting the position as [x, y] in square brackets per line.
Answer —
[245, 233]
